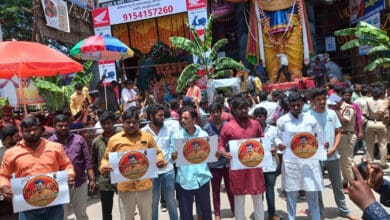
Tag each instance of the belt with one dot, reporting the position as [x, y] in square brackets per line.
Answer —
[373, 119]
[347, 132]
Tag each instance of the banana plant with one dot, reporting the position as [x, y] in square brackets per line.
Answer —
[55, 93]
[208, 64]
[368, 35]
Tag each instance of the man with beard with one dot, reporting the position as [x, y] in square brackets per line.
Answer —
[99, 145]
[165, 182]
[192, 180]
[248, 181]
[78, 152]
[331, 125]
[34, 155]
[299, 174]
[132, 193]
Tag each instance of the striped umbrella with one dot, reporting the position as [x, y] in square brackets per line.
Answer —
[101, 48]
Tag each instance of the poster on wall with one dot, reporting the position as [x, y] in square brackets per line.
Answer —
[12, 90]
[56, 14]
[86, 4]
[108, 70]
[330, 44]
[35, 192]
[361, 9]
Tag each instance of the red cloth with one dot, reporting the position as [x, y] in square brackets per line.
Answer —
[303, 83]
[249, 181]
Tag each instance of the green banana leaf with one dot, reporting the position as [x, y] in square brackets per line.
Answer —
[221, 74]
[188, 72]
[217, 46]
[208, 34]
[227, 63]
[384, 61]
[378, 49]
[186, 44]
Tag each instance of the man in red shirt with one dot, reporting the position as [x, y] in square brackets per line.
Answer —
[249, 181]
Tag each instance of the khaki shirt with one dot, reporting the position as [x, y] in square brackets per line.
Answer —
[349, 114]
[376, 109]
[121, 142]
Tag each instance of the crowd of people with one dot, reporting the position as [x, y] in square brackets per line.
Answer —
[79, 140]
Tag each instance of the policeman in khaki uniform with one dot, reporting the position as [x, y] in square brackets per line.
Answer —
[377, 113]
[347, 117]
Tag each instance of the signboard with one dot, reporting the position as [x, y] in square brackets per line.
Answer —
[361, 9]
[250, 153]
[135, 11]
[133, 165]
[196, 150]
[107, 68]
[86, 4]
[304, 145]
[103, 31]
[56, 14]
[330, 44]
[195, 4]
[12, 90]
[40, 191]
[198, 19]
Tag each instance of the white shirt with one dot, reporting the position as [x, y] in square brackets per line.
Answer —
[162, 139]
[283, 59]
[299, 174]
[128, 94]
[269, 106]
[329, 123]
[271, 132]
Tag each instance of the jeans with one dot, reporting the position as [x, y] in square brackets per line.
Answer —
[333, 167]
[49, 213]
[269, 181]
[107, 197]
[312, 200]
[165, 182]
[202, 197]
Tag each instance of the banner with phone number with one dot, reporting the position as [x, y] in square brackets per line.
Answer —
[141, 10]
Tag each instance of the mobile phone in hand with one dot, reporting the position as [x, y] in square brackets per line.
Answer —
[363, 169]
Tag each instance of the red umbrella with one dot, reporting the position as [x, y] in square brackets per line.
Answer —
[29, 59]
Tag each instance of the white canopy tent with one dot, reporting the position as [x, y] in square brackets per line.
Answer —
[212, 84]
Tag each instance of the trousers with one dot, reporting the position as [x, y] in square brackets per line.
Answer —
[376, 130]
[129, 200]
[258, 209]
[218, 174]
[78, 202]
[346, 147]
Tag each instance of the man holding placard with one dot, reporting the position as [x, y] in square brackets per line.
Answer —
[331, 125]
[299, 170]
[32, 156]
[246, 181]
[132, 193]
[165, 181]
[193, 180]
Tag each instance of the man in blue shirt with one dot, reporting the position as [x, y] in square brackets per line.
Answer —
[193, 180]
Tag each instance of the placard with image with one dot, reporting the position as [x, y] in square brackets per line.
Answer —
[250, 153]
[304, 145]
[133, 165]
[196, 150]
[34, 192]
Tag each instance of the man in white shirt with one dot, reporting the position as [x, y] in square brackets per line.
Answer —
[129, 95]
[331, 126]
[283, 67]
[162, 133]
[299, 174]
[270, 106]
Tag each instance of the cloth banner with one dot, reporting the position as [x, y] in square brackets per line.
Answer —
[35, 192]
[56, 14]
[133, 165]
[304, 145]
[250, 153]
[212, 84]
[196, 150]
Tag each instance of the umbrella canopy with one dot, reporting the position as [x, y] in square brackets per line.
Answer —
[101, 48]
[28, 59]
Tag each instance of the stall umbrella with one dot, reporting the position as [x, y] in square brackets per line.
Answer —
[29, 59]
